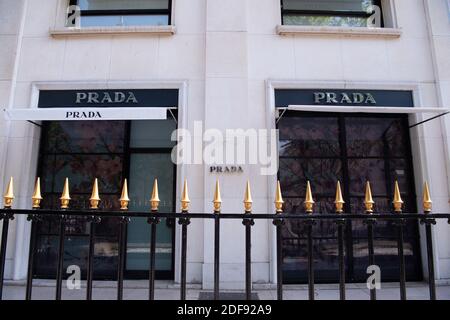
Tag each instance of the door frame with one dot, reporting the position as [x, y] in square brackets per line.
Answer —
[421, 157]
[23, 230]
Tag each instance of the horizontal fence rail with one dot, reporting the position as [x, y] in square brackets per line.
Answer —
[94, 216]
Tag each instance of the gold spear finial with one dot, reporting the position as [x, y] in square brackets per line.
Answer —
[368, 201]
[124, 199]
[185, 198]
[427, 203]
[278, 199]
[65, 197]
[37, 197]
[217, 198]
[154, 201]
[309, 202]
[248, 198]
[398, 202]
[95, 197]
[9, 194]
[339, 202]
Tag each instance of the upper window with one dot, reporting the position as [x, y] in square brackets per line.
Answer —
[124, 12]
[341, 13]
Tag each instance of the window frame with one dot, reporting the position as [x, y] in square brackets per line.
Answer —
[331, 13]
[127, 12]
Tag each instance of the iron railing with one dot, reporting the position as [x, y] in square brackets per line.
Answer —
[94, 216]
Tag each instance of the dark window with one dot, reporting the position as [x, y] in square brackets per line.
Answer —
[124, 12]
[110, 151]
[349, 13]
[325, 148]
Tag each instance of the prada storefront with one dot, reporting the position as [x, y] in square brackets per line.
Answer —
[352, 147]
[95, 143]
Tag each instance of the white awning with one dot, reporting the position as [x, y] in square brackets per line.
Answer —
[83, 114]
[363, 109]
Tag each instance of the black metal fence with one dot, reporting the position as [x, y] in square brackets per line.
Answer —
[94, 216]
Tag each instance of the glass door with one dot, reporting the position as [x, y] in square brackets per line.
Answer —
[324, 148]
[150, 159]
[110, 151]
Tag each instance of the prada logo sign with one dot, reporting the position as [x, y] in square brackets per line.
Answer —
[108, 98]
[344, 98]
[105, 97]
[83, 115]
[226, 169]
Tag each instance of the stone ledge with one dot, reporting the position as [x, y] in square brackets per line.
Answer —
[346, 31]
[141, 30]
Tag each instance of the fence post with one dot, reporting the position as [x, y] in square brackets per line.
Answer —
[278, 222]
[184, 222]
[93, 220]
[34, 218]
[7, 204]
[217, 207]
[339, 204]
[369, 203]
[398, 203]
[309, 206]
[65, 201]
[153, 221]
[248, 223]
[124, 201]
[427, 207]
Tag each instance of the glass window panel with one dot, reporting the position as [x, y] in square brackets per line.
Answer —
[305, 137]
[322, 173]
[85, 137]
[366, 164]
[123, 4]
[124, 20]
[363, 170]
[106, 257]
[152, 134]
[374, 170]
[144, 168]
[370, 137]
[323, 20]
[81, 169]
[327, 5]
[47, 171]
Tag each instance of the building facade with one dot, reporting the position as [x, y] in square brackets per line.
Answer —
[343, 81]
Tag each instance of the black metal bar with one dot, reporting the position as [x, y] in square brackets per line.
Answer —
[151, 285]
[91, 256]
[184, 222]
[370, 235]
[34, 221]
[60, 266]
[288, 216]
[5, 217]
[401, 256]
[216, 257]
[309, 230]
[279, 223]
[424, 121]
[122, 252]
[341, 225]
[248, 223]
[431, 279]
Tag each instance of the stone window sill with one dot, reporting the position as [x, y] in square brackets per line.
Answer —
[141, 30]
[346, 31]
